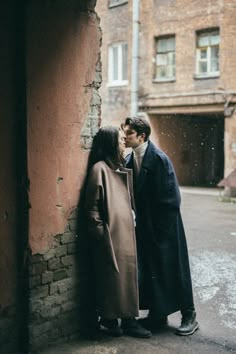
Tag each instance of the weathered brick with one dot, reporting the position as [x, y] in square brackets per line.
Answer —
[39, 293]
[65, 285]
[59, 299]
[68, 260]
[61, 251]
[52, 289]
[49, 254]
[49, 311]
[47, 277]
[59, 274]
[53, 264]
[68, 237]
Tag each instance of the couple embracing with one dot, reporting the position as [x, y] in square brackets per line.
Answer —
[136, 234]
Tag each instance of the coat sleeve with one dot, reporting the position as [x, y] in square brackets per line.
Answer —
[94, 204]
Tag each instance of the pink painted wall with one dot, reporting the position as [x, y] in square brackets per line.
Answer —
[62, 51]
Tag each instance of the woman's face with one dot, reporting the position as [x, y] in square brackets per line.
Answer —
[121, 142]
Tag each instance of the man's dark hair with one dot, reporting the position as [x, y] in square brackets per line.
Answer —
[105, 147]
[140, 125]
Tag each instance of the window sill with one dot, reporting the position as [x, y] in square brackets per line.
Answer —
[205, 77]
[169, 79]
[110, 6]
[118, 84]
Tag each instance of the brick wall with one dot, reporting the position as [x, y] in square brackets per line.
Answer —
[186, 94]
[116, 25]
[53, 294]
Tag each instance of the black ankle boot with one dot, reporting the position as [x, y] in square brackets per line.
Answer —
[154, 324]
[131, 327]
[188, 324]
[111, 327]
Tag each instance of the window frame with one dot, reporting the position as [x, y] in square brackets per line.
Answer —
[166, 78]
[208, 74]
[120, 81]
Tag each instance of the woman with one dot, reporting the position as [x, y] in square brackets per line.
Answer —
[109, 205]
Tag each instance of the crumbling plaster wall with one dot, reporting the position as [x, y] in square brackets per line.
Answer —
[63, 109]
[63, 74]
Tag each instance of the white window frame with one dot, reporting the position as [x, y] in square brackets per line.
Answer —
[208, 58]
[165, 78]
[120, 81]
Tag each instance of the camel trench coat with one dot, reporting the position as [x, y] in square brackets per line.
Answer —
[109, 202]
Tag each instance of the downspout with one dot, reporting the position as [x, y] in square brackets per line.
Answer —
[135, 59]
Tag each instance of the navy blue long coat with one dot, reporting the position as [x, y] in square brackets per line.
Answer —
[164, 273]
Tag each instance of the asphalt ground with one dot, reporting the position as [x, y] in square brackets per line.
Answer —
[211, 235]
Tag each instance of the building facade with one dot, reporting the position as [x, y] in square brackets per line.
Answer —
[187, 80]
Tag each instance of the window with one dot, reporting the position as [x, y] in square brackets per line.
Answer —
[165, 58]
[117, 63]
[207, 58]
[113, 3]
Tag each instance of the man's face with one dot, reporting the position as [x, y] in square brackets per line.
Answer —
[132, 139]
[121, 142]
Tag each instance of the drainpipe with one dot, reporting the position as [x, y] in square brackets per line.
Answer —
[135, 59]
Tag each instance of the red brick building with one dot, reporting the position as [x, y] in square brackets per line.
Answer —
[187, 79]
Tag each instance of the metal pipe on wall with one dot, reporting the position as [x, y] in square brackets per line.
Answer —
[135, 59]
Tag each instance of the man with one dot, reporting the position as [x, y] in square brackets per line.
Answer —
[164, 273]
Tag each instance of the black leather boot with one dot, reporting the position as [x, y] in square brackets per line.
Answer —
[132, 328]
[188, 324]
[154, 324]
[111, 327]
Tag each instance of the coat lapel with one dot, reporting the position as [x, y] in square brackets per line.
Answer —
[146, 167]
[130, 161]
